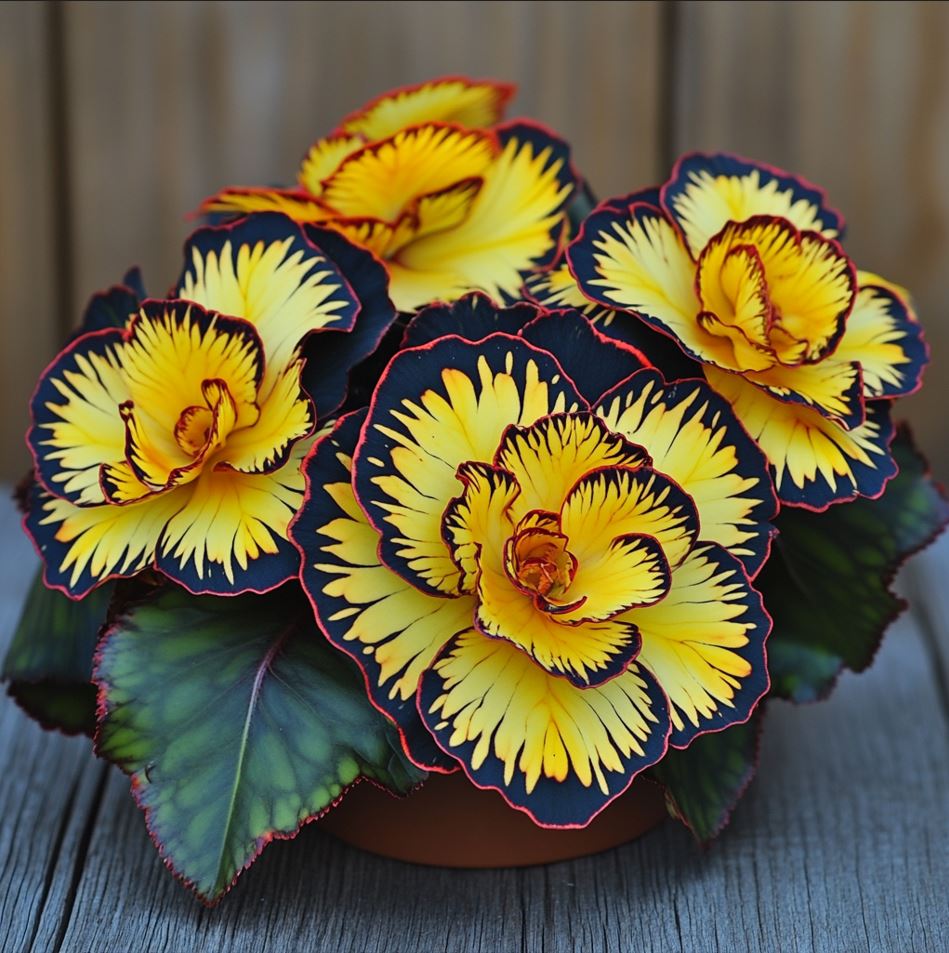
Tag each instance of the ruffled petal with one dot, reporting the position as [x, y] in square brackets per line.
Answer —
[76, 422]
[514, 225]
[84, 546]
[582, 652]
[635, 260]
[884, 336]
[231, 535]
[467, 102]
[389, 628]
[811, 283]
[548, 458]
[833, 388]
[286, 416]
[694, 437]
[558, 752]
[323, 158]
[436, 407]
[619, 501]
[815, 461]
[264, 269]
[705, 644]
[385, 178]
[707, 190]
[298, 205]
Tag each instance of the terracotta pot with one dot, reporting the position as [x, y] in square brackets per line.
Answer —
[451, 823]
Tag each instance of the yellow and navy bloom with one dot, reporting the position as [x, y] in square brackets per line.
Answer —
[740, 264]
[540, 553]
[172, 437]
[428, 181]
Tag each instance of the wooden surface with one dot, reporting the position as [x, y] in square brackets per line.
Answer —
[120, 117]
[841, 844]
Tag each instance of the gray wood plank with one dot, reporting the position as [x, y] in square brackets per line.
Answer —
[47, 782]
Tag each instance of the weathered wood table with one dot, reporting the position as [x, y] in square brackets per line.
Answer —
[841, 843]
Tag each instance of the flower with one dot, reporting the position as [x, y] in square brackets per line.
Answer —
[424, 179]
[740, 264]
[539, 553]
[173, 438]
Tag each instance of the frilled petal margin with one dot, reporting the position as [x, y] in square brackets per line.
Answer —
[707, 190]
[705, 644]
[514, 225]
[692, 435]
[468, 102]
[389, 628]
[815, 461]
[419, 430]
[884, 336]
[223, 534]
[555, 751]
[266, 270]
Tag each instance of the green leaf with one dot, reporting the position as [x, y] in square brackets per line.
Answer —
[704, 781]
[67, 707]
[827, 582]
[238, 722]
[49, 662]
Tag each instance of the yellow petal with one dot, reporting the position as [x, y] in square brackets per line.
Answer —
[816, 462]
[323, 158]
[471, 103]
[300, 206]
[547, 458]
[693, 436]
[706, 191]
[514, 225]
[556, 751]
[384, 178]
[705, 643]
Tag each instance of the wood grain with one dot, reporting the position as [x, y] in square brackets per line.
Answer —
[854, 96]
[30, 269]
[840, 845]
[170, 101]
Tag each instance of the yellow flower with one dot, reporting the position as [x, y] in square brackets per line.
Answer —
[424, 179]
[739, 263]
[174, 440]
[546, 582]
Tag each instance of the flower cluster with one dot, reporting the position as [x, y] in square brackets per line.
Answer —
[514, 483]
[428, 179]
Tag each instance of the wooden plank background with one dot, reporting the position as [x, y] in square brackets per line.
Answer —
[119, 118]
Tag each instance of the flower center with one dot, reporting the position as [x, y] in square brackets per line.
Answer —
[538, 563]
[203, 427]
[194, 429]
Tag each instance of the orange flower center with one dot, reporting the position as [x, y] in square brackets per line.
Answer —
[541, 562]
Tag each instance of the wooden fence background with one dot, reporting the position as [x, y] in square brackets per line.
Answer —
[117, 118]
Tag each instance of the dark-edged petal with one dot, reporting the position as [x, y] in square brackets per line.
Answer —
[389, 628]
[555, 751]
[693, 435]
[436, 407]
[705, 644]
[706, 190]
